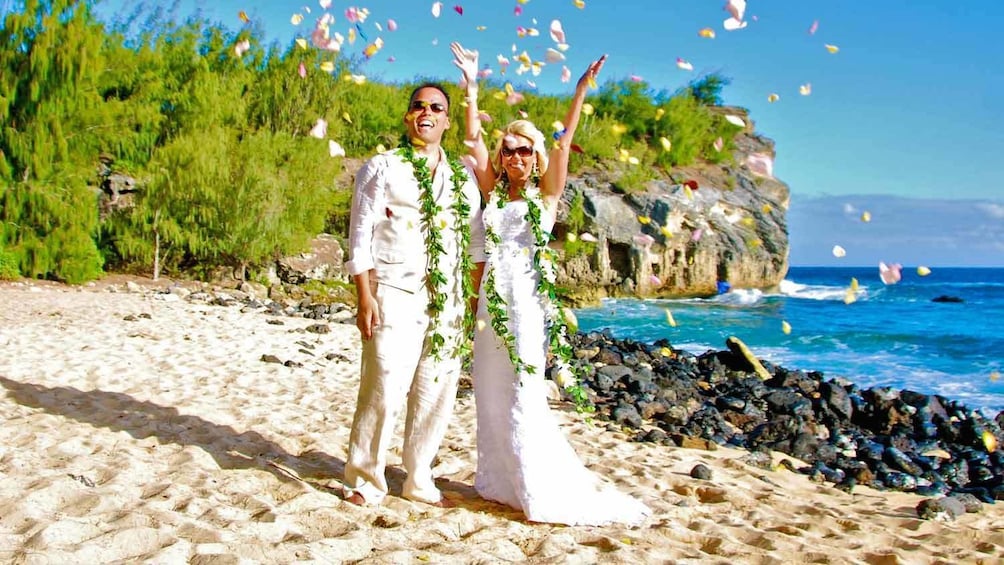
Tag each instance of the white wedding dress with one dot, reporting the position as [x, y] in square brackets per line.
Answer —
[524, 459]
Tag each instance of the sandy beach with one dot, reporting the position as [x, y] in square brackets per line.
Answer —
[138, 426]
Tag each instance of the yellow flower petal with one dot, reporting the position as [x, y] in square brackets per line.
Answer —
[785, 327]
[773, 98]
[380, 148]
[618, 129]
[665, 232]
[580, 4]
[923, 271]
[644, 220]
[347, 117]
[666, 352]
[989, 441]
[767, 209]
[633, 160]
[707, 33]
[832, 48]
[995, 376]
[301, 43]
[666, 143]
[659, 113]
[327, 66]
[669, 318]
[866, 216]
[296, 19]
[587, 109]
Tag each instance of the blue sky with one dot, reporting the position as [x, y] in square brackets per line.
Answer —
[909, 107]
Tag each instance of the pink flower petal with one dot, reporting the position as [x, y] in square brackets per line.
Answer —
[302, 70]
[459, 9]
[566, 74]
[391, 25]
[557, 34]
[684, 65]
[813, 27]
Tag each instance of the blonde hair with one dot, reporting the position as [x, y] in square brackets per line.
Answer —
[525, 129]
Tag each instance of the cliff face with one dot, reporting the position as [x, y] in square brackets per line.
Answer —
[671, 239]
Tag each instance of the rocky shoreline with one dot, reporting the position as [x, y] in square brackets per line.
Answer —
[879, 437]
[834, 431]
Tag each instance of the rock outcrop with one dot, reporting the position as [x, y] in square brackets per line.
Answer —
[707, 224]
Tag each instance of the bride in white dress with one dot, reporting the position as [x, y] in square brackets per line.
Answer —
[524, 459]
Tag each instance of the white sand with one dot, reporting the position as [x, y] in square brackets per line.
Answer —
[166, 439]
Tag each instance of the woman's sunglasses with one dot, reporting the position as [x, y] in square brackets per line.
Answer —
[522, 151]
[435, 107]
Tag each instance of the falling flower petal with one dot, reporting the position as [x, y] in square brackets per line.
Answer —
[805, 89]
[665, 232]
[923, 271]
[243, 16]
[760, 164]
[839, 251]
[707, 33]
[482, 324]
[437, 7]
[391, 25]
[580, 4]
[557, 34]
[566, 74]
[989, 441]
[320, 129]
[587, 237]
[785, 327]
[635, 78]
[334, 149]
[654, 280]
[325, 4]
[302, 70]
[669, 319]
[832, 48]
[643, 240]
[890, 274]
[736, 8]
[296, 19]
[587, 109]
[459, 9]
[301, 43]
[554, 56]
[241, 48]
[866, 216]
[517, 11]
[735, 120]
[571, 237]
[995, 376]
[666, 143]
[732, 24]
[666, 352]
[813, 27]
[684, 65]
[773, 98]
[347, 117]
[644, 220]
[696, 236]
[688, 192]
[328, 66]
[618, 129]
[719, 144]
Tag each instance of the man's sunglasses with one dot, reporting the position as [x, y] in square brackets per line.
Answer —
[435, 107]
[522, 151]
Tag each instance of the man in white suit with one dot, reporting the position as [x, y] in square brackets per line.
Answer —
[398, 274]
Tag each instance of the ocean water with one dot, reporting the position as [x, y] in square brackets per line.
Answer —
[891, 335]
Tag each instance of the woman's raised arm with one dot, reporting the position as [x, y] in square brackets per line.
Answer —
[467, 61]
[553, 183]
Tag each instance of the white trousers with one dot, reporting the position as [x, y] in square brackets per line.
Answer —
[396, 365]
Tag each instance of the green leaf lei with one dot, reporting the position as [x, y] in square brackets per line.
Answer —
[437, 280]
[557, 326]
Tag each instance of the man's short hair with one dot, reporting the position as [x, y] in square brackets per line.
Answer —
[435, 85]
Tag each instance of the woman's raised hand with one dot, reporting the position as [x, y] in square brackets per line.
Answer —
[591, 72]
[467, 61]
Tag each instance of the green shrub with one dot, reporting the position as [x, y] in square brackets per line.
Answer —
[9, 269]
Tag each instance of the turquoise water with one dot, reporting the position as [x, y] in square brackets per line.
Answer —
[891, 335]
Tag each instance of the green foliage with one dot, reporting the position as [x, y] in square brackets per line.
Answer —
[226, 172]
[707, 90]
[9, 270]
[576, 222]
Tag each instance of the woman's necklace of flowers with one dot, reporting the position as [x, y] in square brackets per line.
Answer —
[434, 226]
[544, 264]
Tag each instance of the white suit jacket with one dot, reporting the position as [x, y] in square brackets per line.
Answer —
[385, 228]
